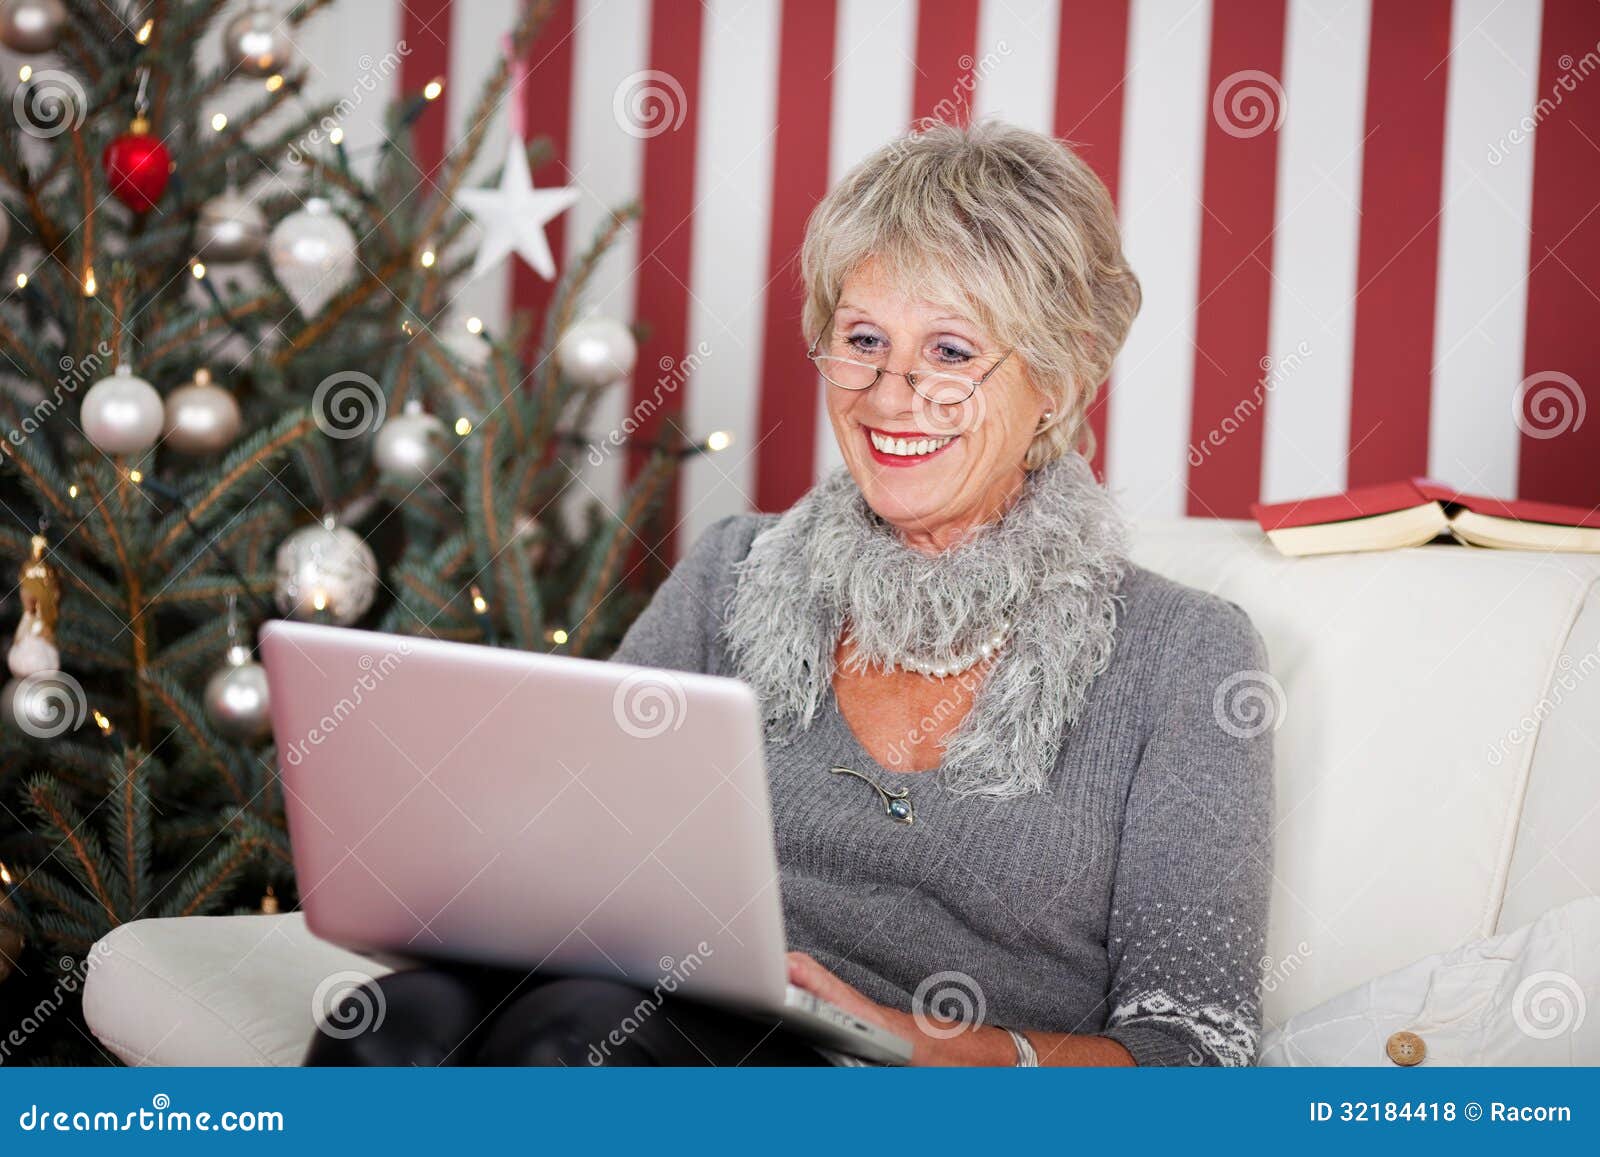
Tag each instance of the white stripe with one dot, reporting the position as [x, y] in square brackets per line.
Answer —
[733, 217]
[1312, 327]
[1015, 63]
[1473, 441]
[611, 42]
[874, 49]
[352, 55]
[1159, 194]
[475, 50]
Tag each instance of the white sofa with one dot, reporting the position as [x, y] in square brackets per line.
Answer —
[1438, 783]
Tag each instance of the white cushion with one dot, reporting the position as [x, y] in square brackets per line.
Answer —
[1399, 798]
[216, 990]
[1521, 998]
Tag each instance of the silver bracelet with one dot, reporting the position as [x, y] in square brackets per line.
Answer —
[1027, 1058]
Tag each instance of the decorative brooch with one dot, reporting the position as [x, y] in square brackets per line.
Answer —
[896, 801]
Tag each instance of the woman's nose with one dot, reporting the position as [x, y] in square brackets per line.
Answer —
[894, 393]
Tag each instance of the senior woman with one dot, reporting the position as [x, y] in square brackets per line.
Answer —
[999, 780]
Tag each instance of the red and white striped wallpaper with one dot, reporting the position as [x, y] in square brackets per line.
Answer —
[1367, 230]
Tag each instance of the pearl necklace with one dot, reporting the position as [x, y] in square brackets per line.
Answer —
[955, 664]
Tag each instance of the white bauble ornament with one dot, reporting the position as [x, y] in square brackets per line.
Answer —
[410, 445]
[230, 228]
[596, 351]
[31, 25]
[122, 414]
[470, 349]
[202, 417]
[236, 698]
[313, 254]
[256, 42]
[325, 571]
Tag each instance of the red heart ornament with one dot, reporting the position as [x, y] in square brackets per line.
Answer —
[137, 167]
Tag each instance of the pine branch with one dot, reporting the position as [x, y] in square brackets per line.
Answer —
[204, 889]
[88, 861]
[611, 548]
[210, 746]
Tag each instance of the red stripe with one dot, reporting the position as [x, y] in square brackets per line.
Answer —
[1398, 261]
[786, 421]
[425, 34]
[1239, 196]
[1563, 312]
[1091, 62]
[546, 110]
[665, 237]
[947, 39]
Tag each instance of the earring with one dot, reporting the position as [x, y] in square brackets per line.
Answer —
[1046, 418]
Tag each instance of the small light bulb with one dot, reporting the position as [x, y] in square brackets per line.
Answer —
[463, 426]
[25, 73]
[145, 29]
[406, 327]
[319, 600]
[274, 82]
[22, 281]
[427, 259]
[474, 325]
[102, 722]
[90, 285]
[199, 270]
[719, 440]
[336, 135]
[72, 491]
[479, 603]
[5, 874]
[558, 636]
[135, 476]
[432, 90]
[219, 121]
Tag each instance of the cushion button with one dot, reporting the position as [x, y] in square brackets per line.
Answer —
[1406, 1048]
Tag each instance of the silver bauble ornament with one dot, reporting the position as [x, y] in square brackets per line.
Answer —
[410, 445]
[122, 414]
[31, 25]
[325, 571]
[596, 351]
[236, 699]
[230, 228]
[202, 417]
[313, 254]
[256, 42]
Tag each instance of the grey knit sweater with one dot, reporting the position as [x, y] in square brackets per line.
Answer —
[1152, 940]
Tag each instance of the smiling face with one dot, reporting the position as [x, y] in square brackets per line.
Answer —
[933, 471]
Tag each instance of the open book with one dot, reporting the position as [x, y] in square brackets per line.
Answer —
[1417, 510]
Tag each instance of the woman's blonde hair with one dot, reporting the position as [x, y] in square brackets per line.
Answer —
[1007, 225]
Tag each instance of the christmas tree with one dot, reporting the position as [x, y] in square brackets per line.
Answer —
[232, 389]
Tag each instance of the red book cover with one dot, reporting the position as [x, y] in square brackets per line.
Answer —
[1362, 502]
[1526, 510]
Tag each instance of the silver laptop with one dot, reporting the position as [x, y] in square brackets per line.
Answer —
[539, 812]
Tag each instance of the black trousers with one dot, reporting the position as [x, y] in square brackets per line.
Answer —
[474, 1016]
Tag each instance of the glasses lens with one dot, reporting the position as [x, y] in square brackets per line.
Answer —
[846, 374]
[945, 389]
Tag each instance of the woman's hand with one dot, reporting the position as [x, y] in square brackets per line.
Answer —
[974, 1045]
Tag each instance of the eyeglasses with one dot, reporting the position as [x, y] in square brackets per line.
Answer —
[938, 387]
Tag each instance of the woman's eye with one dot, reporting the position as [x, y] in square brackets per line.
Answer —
[951, 355]
[864, 342]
